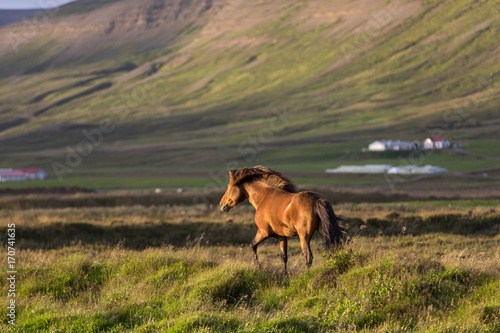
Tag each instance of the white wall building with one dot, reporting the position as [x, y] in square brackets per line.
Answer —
[437, 142]
[389, 169]
[416, 170]
[10, 175]
[384, 145]
[369, 168]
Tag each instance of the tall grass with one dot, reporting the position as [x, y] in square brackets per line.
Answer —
[442, 278]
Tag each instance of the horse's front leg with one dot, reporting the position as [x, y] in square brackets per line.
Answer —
[259, 238]
[284, 250]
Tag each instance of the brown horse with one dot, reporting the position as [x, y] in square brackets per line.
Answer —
[281, 212]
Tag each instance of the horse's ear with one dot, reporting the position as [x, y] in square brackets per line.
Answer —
[232, 174]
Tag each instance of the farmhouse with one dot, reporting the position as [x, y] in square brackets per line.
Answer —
[436, 142]
[9, 175]
[393, 145]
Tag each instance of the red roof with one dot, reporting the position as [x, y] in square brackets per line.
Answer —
[437, 138]
[19, 172]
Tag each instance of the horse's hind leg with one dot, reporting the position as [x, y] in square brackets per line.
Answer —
[284, 250]
[306, 249]
[259, 238]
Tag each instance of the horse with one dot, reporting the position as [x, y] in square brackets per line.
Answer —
[282, 212]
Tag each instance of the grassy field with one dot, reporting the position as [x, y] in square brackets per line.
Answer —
[202, 99]
[188, 92]
[416, 267]
[307, 164]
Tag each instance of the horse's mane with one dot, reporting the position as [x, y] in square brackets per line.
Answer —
[271, 177]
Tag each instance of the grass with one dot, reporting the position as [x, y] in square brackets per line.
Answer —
[482, 147]
[179, 166]
[326, 156]
[169, 182]
[187, 268]
[402, 85]
[110, 183]
[426, 261]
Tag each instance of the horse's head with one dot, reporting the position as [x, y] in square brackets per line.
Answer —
[234, 194]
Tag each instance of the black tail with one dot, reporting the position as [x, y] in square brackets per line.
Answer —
[334, 235]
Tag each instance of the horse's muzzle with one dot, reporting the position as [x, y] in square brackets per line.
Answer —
[225, 208]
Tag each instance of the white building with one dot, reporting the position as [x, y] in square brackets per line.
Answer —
[369, 168]
[389, 169]
[378, 146]
[437, 142]
[383, 145]
[416, 170]
[9, 175]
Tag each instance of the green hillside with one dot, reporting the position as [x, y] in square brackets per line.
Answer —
[301, 86]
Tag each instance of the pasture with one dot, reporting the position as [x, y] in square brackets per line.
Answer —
[98, 267]
[148, 103]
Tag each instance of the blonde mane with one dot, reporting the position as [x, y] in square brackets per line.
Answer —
[272, 177]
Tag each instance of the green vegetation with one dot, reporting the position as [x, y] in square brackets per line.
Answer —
[306, 165]
[109, 183]
[154, 268]
[194, 100]
[189, 92]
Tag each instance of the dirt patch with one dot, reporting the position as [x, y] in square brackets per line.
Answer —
[351, 17]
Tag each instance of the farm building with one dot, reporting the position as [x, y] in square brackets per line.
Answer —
[389, 169]
[416, 170]
[437, 142]
[393, 145]
[369, 168]
[9, 175]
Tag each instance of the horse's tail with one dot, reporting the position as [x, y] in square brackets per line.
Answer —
[334, 235]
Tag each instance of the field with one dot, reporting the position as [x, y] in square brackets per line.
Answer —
[95, 266]
[137, 110]
[477, 166]
[216, 91]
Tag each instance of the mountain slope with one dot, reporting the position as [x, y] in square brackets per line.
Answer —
[188, 82]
